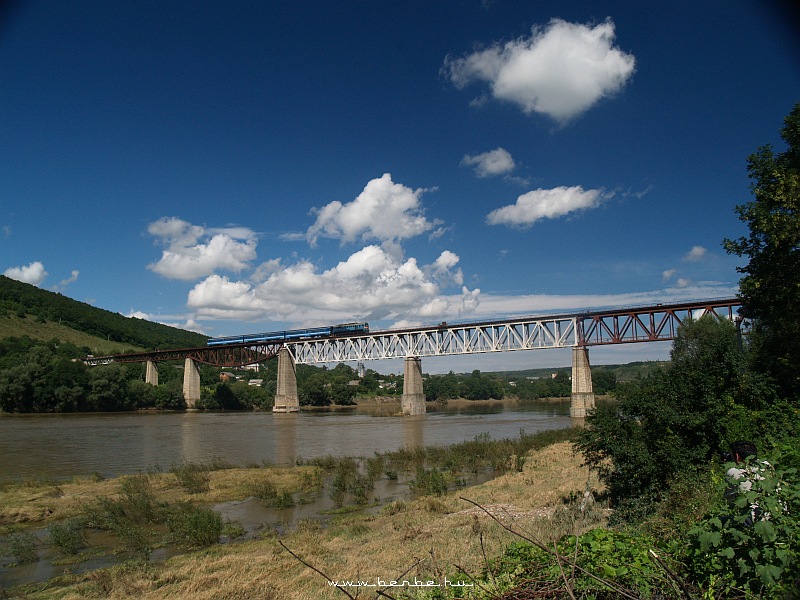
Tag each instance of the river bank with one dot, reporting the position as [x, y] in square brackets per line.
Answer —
[441, 532]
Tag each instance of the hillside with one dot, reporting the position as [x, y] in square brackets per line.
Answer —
[625, 372]
[26, 310]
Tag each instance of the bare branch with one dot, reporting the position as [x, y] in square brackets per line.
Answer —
[541, 546]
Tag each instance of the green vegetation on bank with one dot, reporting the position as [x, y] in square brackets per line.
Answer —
[27, 302]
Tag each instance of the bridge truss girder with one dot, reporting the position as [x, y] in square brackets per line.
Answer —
[231, 355]
[450, 340]
[648, 324]
[659, 322]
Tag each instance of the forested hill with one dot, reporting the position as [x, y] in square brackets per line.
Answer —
[24, 301]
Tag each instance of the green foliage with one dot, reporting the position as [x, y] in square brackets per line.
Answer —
[429, 482]
[608, 561]
[25, 299]
[68, 536]
[753, 542]
[130, 516]
[193, 526]
[23, 545]
[675, 421]
[193, 477]
[770, 286]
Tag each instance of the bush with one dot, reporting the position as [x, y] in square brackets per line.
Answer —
[193, 477]
[194, 526]
[68, 537]
[676, 421]
[752, 544]
[23, 546]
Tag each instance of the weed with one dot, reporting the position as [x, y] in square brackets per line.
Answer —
[68, 536]
[262, 488]
[282, 500]
[194, 526]
[428, 482]
[193, 477]
[23, 546]
[232, 529]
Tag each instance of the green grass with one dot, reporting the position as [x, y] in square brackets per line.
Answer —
[12, 326]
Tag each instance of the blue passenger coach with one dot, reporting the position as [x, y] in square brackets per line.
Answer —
[343, 329]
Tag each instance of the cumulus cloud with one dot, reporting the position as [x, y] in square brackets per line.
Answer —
[696, 254]
[33, 273]
[384, 211]
[668, 274]
[193, 251]
[369, 280]
[545, 204]
[62, 285]
[182, 322]
[495, 162]
[560, 70]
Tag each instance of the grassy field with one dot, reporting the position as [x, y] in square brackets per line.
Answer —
[13, 326]
[434, 537]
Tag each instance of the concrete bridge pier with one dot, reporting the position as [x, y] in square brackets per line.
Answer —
[286, 399]
[191, 382]
[151, 373]
[413, 401]
[582, 394]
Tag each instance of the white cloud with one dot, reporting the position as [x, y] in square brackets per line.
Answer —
[561, 70]
[181, 322]
[370, 280]
[62, 285]
[383, 211]
[495, 162]
[193, 251]
[545, 204]
[498, 305]
[33, 273]
[696, 254]
[668, 274]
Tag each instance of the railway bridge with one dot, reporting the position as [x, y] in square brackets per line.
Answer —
[576, 330]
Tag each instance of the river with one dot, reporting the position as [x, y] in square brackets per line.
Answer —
[64, 445]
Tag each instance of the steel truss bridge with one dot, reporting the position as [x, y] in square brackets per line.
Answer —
[654, 323]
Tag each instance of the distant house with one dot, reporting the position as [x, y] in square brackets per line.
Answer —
[255, 382]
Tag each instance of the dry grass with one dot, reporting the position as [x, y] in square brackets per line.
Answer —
[439, 532]
[38, 503]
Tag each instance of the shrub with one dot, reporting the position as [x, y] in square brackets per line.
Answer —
[429, 482]
[752, 544]
[194, 526]
[193, 477]
[68, 536]
[23, 546]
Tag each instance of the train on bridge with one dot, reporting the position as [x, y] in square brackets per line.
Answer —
[341, 330]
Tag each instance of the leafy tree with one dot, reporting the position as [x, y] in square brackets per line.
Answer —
[441, 387]
[770, 288]
[675, 421]
[481, 387]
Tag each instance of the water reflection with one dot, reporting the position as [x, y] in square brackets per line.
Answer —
[114, 444]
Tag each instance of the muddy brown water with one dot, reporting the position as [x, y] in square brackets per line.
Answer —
[62, 446]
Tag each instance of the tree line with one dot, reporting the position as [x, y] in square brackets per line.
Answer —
[38, 376]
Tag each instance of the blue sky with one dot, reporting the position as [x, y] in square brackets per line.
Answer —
[232, 167]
